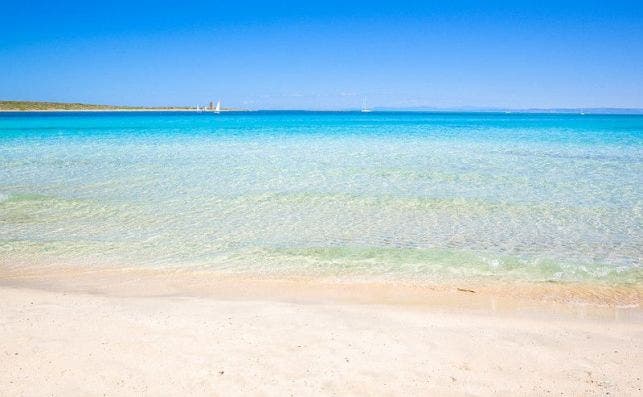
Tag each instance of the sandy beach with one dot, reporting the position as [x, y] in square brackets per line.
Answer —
[118, 333]
[373, 198]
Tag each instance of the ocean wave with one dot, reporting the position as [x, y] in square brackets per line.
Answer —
[412, 265]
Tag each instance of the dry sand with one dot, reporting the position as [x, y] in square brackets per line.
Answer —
[85, 342]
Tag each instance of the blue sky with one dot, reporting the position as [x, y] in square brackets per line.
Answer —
[325, 55]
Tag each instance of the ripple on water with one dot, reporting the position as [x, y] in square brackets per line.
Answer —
[393, 196]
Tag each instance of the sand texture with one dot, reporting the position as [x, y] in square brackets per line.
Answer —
[81, 344]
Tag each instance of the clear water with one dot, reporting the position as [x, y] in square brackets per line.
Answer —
[385, 195]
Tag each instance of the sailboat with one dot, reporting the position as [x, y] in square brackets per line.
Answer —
[364, 108]
[218, 108]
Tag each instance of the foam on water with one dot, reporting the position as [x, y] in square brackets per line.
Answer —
[417, 196]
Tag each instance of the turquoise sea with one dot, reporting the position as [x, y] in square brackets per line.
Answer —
[417, 196]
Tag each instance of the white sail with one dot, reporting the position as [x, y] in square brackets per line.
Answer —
[365, 108]
[218, 108]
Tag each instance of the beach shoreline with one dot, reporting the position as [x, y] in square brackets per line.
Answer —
[122, 332]
[460, 293]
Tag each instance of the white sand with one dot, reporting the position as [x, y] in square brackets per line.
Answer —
[79, 344]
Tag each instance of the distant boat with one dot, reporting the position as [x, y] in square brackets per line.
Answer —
[365, 109]
[218, 108]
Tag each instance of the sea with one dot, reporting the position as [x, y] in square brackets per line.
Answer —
[407, 196]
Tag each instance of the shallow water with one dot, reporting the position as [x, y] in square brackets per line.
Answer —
[380, 195]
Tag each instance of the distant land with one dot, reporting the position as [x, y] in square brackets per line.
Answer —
[37, 106]
[8, 106]
[52, 106]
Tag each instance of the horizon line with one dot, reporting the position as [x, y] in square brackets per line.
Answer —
[472, 109]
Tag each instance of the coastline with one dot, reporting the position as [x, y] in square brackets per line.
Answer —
[466, 293]
[115, 110]
[132, 332]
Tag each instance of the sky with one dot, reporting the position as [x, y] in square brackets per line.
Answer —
[325, 55]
